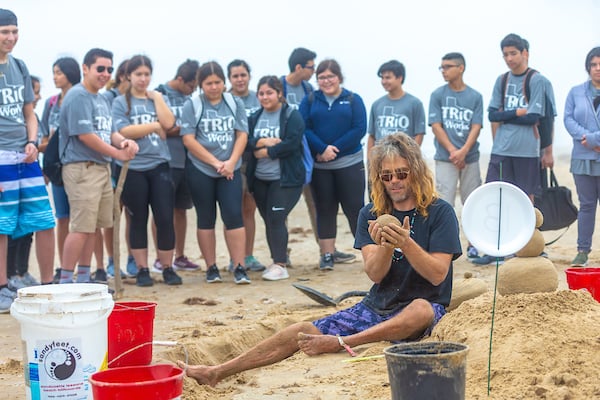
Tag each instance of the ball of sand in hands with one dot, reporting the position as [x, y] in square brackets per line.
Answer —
[383, 221]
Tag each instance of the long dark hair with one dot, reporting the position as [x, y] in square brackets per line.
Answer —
[134, 63]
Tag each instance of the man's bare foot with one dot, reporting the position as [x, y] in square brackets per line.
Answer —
[203, 374]
[318, 344]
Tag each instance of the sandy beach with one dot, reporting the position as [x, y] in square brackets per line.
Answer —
[545, 345]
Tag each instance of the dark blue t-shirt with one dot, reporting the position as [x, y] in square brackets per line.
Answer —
[438, 233]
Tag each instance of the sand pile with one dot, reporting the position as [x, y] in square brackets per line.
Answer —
[545, 345]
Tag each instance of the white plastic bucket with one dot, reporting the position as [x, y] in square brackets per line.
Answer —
[64, 336]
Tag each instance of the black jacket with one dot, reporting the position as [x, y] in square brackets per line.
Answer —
[288, 151]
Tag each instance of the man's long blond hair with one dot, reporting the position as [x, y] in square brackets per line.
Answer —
[420, 178]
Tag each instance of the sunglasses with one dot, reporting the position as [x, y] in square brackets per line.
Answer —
[400, 174]
[102, 68]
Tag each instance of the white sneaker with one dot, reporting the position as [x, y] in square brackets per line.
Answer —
[275, 272]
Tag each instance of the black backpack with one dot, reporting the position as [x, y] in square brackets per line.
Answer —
[545, 124]
[52, 166]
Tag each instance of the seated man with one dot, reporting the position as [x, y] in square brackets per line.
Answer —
[411, 268]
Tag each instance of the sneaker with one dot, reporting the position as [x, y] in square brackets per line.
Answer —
[580, 260]
[29, 280]
[170, 276]
[132, 269]
[184, 264]
[230, 267]
[485, 260]
[6, 299]
[326, 262]
[110, 269]
[157, 266]
[99, 276]
[252, 264]
[472, 253]
[239, 276]
[56, 277]
[15, 283]
[143, 278]
[212, 274]
[339, 257]
[275, 272]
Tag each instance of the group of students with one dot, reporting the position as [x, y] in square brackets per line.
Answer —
[245, 150]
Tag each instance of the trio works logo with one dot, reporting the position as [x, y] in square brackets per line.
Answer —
[59, 360]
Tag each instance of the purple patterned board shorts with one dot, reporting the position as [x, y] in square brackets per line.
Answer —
[359, 317]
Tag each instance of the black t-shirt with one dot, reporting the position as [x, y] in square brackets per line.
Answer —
[438, 233]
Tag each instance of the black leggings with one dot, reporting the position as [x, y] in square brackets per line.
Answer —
[332, 187]
[155, 188]
[17, 256]
[207, 191]
[274, 204]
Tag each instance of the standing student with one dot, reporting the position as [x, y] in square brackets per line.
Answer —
[24, 203]
[144, 116]
[215, 137]
[397, 111]
[515, 156]
[238, 72]
[114, 88]
[66, 73]
[456, 118]
[336, 121]
[177, 91]
[275, 169]
[87, 143]
[17, 259]
[582, 121]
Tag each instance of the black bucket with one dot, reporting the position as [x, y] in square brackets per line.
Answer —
[427, 370]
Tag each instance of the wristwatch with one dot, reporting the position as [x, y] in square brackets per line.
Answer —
[33, 142]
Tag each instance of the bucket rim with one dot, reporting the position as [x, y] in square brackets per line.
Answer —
[460, 348]
[124, 370]
[134, 305]
[582, 270]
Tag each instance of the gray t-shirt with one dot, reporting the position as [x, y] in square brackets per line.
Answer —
[267, 126]
[153, 149]
[176, 147]
[216, 130]
[51, 114]
[389, 116]
[456, 111]
[16, 90]
[251, 103]
[83, 112]
[294, 94]
[511, 139]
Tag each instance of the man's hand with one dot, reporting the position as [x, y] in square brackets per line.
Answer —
[393, 235]
[457, 157]
[128, 150]
[31, 153]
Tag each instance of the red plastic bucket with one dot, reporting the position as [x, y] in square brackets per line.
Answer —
[130, 332]
[584, 278]
[156, 382]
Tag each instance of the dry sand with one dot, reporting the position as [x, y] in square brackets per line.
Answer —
[545, 346]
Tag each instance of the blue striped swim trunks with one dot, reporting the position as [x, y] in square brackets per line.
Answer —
[359, 317]
[24, 203]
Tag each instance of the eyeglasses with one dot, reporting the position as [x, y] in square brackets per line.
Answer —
[102, 68]
[447, 67]
[326, 78]
[400, 174]
[309, 66]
